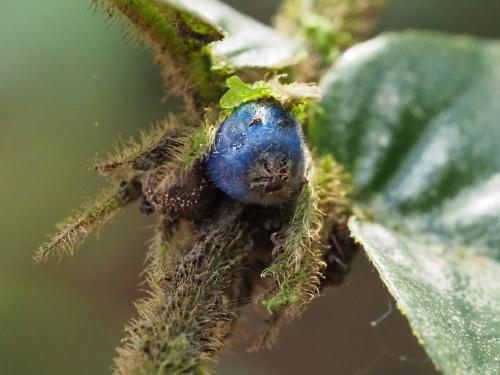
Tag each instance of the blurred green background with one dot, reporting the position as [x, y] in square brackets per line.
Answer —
[71, 84]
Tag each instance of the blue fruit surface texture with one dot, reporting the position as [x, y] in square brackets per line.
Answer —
[259, 155]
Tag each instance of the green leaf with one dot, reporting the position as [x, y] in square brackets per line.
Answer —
[415, 117]
[292, 95]
[240, 92]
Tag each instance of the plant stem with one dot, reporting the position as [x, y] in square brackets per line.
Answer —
[187, 315]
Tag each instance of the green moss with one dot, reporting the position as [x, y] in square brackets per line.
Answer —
[209, 82]
[199, 27]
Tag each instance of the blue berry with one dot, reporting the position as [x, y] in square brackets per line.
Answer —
[258, 155]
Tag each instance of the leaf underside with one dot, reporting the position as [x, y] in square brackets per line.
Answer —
[415, 118]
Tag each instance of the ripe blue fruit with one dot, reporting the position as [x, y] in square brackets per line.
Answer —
[258, 155]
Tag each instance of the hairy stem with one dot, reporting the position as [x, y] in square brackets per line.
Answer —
[299, 266]
[151, 150]
[178, 39]
[74, 230]
[187, 315]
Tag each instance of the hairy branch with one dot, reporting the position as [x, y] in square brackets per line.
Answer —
[300, 261]
[177, 37]
[74, 230]
[186, 316]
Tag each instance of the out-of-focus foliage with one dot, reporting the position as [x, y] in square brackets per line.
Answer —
[327, 27]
